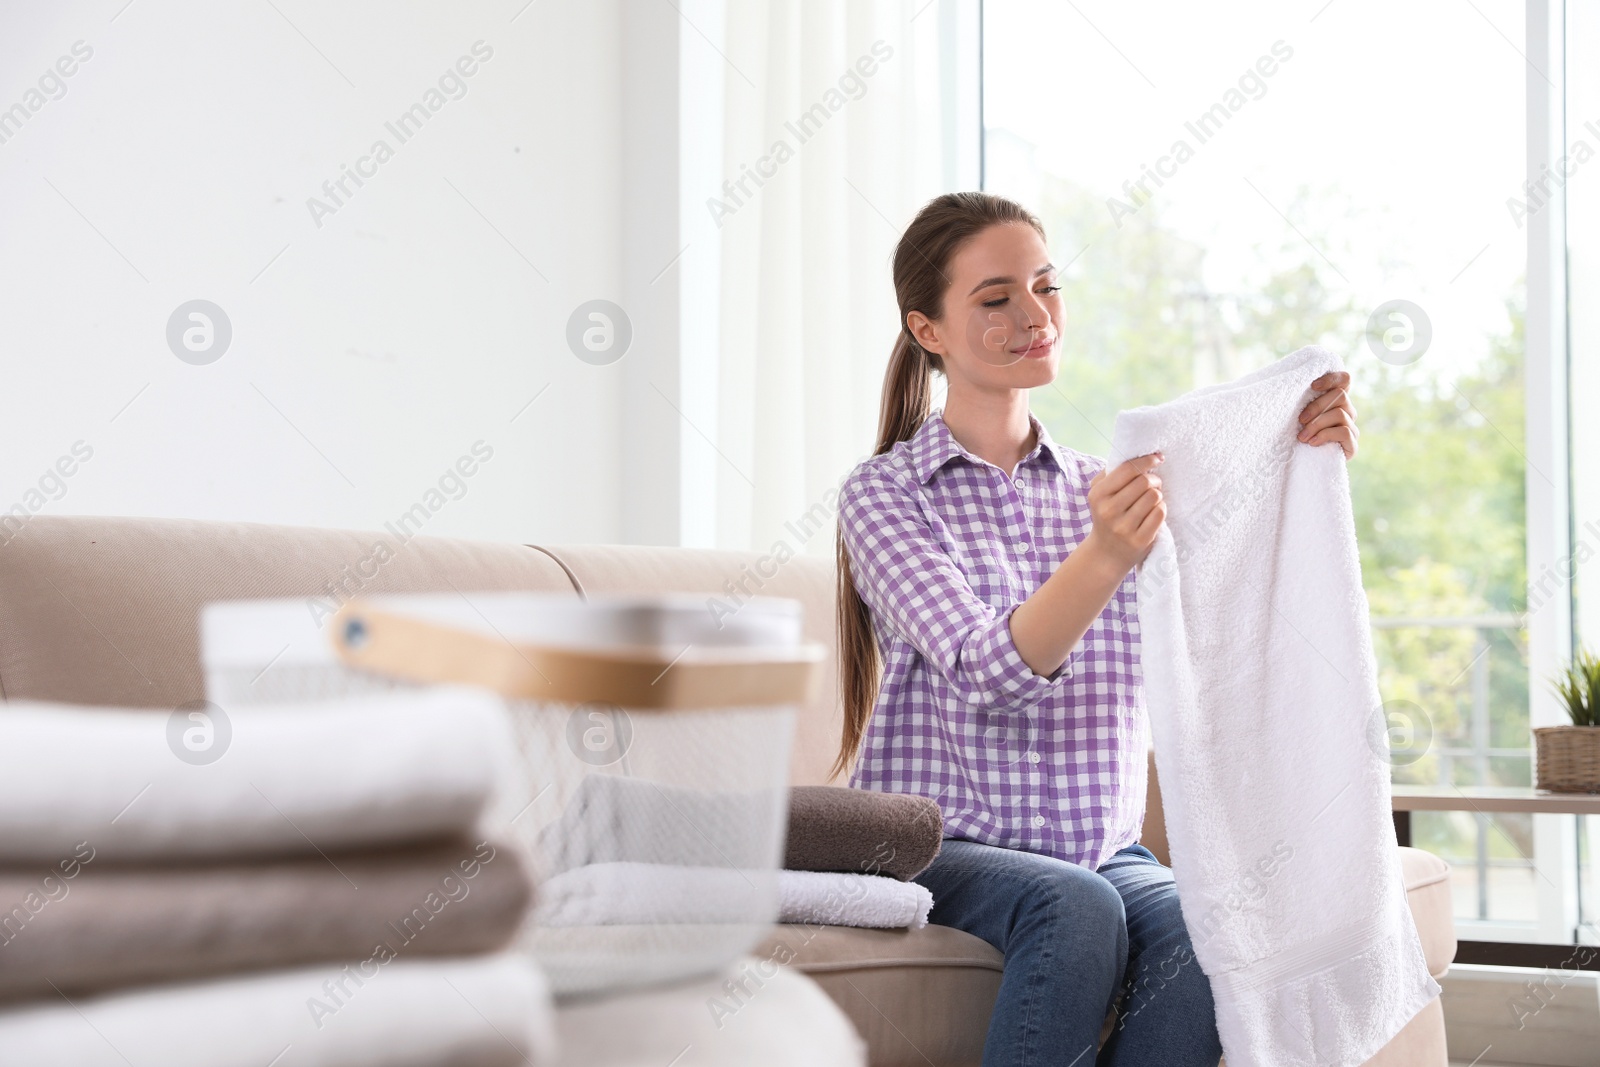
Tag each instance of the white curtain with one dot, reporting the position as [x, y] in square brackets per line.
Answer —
[807, 309]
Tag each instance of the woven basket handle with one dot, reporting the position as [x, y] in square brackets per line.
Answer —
[417, 650]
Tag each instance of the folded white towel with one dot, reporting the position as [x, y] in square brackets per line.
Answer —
[643, 893]
[827, 898]
[291, 778]
[488, 1011]
[1262, 691]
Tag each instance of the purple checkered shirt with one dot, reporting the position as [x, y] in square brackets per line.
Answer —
[943, 547]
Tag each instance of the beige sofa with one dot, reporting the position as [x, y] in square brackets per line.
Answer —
[105, 611]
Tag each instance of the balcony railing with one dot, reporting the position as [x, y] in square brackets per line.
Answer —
[1478, 751]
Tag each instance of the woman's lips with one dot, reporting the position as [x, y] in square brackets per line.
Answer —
[1039, 348]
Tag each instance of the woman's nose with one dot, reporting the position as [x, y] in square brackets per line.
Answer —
[1038, 315]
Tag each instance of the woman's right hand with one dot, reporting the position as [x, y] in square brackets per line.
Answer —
[1128, 510]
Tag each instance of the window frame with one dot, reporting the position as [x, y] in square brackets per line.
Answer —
[1547, 444]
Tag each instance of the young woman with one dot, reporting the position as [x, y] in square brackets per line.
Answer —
[991, 568]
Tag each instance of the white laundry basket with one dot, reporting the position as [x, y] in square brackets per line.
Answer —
[655, 737]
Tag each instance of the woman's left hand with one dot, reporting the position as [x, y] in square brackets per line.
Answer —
[1329, 417]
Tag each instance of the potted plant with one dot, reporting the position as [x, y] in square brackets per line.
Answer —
[1569, 756]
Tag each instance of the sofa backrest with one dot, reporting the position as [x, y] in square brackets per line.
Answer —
[106, 610]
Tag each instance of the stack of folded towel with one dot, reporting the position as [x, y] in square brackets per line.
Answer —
[851, 855]
[323, 892]
[850, 858]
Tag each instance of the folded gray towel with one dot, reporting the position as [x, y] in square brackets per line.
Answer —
[862, 831]
[92, 925]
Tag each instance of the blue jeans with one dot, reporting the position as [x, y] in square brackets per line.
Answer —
[1076, 943]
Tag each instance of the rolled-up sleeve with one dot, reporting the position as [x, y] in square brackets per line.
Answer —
[909, 581]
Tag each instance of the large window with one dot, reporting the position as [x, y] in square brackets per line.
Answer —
[1230, 182]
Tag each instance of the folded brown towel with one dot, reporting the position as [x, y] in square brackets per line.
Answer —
[85, 926]
[862, 831]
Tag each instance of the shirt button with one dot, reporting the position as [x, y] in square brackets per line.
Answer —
[1025, 546]
[1038, 820]
[1033, 757]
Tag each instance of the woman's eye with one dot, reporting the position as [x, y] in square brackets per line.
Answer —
[1049, 289]
[995, 303]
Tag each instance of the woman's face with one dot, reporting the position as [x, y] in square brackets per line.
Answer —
[1002, 312]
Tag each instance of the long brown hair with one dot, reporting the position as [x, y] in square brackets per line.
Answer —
[921, 277]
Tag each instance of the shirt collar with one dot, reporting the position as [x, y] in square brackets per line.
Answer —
[933, 445]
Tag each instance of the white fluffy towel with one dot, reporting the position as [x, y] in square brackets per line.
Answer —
[489, 1011]
[291, 778]
[829, 898]
[1263, 699]
[601, 894]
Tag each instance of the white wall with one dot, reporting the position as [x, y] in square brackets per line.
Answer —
[374, 350]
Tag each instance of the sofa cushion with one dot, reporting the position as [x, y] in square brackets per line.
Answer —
[818, 949]
[917, 996]
[106, 610]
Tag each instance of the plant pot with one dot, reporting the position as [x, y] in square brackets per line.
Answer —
[1568, 759]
